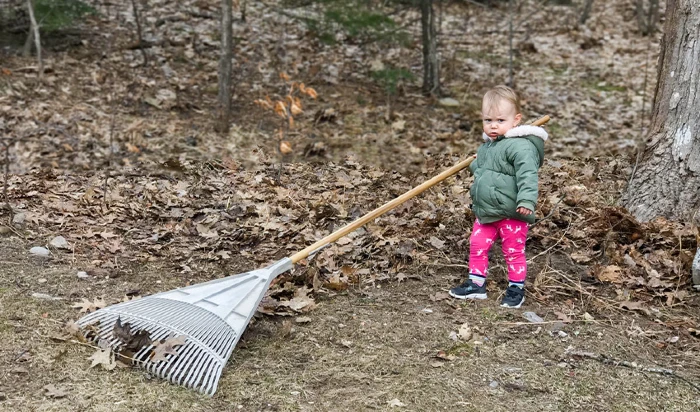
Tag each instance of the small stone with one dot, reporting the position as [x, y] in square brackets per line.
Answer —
[557, 327]
[18, 219]
[449, 102]
[493, 385]
[39, 251]
[44, 296]
[83, 275]
[426, 310]
[562, 334]
[42, 280]
[59, 242]
[563, 365]
[302, 319]
[532, 317]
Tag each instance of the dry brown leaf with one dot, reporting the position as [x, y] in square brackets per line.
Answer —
[103, 357]
[53, 392]
[87, 306]
[634, 306]
[610, 273]
[167, 347]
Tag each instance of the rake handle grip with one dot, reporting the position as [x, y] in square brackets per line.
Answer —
[351, 227]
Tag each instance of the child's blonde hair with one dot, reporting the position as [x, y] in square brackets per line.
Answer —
[500, 93]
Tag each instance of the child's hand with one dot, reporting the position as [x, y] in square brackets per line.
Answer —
[524, 211]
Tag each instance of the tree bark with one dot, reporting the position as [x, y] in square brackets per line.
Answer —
[667, 178]
[431, 69]
[36, 37]
[224, 97]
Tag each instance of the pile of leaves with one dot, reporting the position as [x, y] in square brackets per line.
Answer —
[216, 216]
[126, 344]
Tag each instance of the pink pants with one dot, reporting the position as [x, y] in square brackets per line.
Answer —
[513, 234]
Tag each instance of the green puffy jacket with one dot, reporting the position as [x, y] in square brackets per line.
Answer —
[505, 174]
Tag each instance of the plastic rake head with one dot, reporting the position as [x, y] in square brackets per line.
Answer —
[212, 316]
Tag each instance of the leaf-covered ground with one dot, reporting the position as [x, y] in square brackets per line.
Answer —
[121, 161]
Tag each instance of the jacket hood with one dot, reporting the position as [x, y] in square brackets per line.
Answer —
[522, 131]
[534, 134]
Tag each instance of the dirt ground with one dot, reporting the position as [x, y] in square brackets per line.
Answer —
[185, 206]
[370, 348]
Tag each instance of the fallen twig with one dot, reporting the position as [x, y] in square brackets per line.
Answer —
[632, 365]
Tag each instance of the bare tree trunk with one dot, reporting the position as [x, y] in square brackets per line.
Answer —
[647, 20]
[667, 179]
[139, 32]
[586, 12]
[431, 70]
[37, 38]
[224, 115]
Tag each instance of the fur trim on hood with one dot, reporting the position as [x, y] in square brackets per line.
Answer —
[524, 130]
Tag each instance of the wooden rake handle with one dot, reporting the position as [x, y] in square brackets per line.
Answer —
[351, 227]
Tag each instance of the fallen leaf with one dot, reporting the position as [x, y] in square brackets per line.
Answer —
[54, 392]
[86, 306]
[610, 273]
[132, 341]
[104, 357]
[465, 332]
[634, 306]
[437, 243]
[563, 317]
[439, 296]
[394, 403]
[167, 347]
[445, 356]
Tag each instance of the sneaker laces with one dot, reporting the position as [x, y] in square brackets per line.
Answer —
[514, 292]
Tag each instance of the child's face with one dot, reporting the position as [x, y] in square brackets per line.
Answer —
[499, 118]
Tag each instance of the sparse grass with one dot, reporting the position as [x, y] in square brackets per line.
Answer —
[358, 353]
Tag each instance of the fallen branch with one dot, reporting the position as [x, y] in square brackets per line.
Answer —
[632, 365]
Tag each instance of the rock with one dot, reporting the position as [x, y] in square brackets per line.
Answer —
[45, 296]
[493, 385]
[18, 219]
[532, 317]
[449, 102]
[42, 280]
[562, 334]
[59, 242]
[39, 251]
[83, 275]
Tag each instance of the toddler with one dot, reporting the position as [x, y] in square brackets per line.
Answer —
[504, 194]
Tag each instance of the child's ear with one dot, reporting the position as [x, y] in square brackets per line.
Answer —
[518, 118]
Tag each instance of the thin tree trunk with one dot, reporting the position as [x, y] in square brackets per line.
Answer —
[224, 115]
[586, 12]
[667, 179]
[37, 38]
[511, 11]
[431, 71]
[139, 32]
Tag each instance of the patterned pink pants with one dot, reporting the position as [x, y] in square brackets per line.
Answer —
[513, 234]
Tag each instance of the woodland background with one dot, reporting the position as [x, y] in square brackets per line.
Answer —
[117, 163]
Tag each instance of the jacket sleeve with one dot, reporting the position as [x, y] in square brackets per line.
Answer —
[526, 161]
